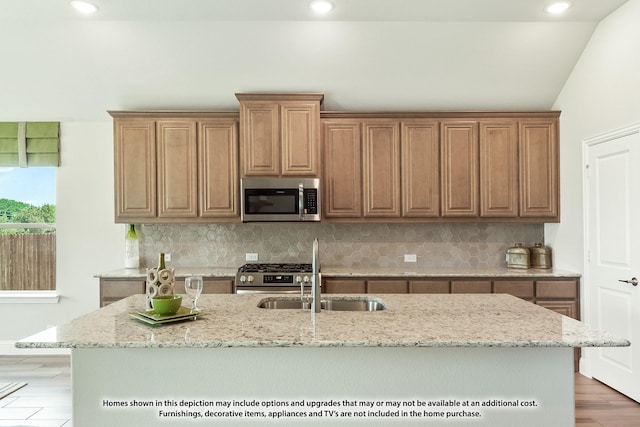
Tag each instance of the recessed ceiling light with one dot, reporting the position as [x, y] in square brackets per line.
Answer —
[558, 7]
[84, 6]
[321, 6]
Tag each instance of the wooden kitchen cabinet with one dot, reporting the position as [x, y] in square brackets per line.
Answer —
[176, 167]
[387, 287]
[471, 287]
[342, 172]
[381, 168]
[344, 286]
[429, 287]
[135, 168]
[539, 169]
[115, 289]
[218, 168]
[454, 167]
[112, 290]
[420, 169]
[280, 134]
[459, 163]
[499, 168]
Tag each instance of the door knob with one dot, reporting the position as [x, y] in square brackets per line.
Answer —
[633, 281]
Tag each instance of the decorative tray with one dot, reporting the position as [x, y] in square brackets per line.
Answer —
[152, 318]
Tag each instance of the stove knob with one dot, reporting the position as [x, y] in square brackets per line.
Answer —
[306, 279]
[250, 279]
[243, 279]
[298, 279]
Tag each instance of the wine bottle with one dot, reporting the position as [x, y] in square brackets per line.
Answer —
[161, 264]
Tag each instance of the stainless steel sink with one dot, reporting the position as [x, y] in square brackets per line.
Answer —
[329, 304]
[284, 304]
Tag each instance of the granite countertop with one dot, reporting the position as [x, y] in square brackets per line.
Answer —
[141, 273]
[330, 271]
[442, 320]
[478, 272]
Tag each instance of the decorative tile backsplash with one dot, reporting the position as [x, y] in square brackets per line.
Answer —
[341, 245]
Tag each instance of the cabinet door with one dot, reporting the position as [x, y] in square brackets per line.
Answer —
[459, 162]
[342, 169]
[539, 175]
[420, 149]
[260, 138]
[177, 169]
[135, 168]
[218, 168]
[300, 131]
[499, 169]
[381, 168]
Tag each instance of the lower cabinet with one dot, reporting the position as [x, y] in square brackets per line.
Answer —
[112, 290]
[560, 295]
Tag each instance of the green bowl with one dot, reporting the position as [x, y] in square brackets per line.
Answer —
[166, 305]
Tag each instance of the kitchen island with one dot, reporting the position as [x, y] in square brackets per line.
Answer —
[493, 359]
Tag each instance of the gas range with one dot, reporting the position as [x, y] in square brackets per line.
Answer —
[272, 278]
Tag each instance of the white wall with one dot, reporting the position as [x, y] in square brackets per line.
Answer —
[601, 94]
[88, 240]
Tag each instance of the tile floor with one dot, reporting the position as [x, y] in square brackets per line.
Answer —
[46, 400]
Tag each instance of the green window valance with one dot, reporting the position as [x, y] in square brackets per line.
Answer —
[29, 144]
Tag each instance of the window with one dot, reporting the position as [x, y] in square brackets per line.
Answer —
[27, 229]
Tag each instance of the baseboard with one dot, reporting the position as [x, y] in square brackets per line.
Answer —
[8, 348]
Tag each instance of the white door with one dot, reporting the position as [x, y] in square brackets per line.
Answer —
[613, 257]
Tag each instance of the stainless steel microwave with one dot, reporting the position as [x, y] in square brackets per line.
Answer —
[280, 199]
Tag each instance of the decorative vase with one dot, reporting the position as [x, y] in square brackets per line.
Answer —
[131, 248]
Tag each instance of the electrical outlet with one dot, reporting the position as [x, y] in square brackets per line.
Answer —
[251, 257]
[167, 257]
[410, 258]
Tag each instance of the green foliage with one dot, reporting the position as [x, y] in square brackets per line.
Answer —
[13, 211]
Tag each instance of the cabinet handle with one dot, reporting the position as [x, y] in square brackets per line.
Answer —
[633, 281]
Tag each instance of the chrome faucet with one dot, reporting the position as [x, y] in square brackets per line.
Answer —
[315, 278]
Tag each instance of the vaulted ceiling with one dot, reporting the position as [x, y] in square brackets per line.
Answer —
[366, 54]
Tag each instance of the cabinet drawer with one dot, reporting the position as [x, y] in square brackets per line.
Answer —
[429, 287]
[217, 287]
[387, 286]
[556, 289]
[339, 286]
[517, 288]
[117, 289]
[209, 286]
[470, 287]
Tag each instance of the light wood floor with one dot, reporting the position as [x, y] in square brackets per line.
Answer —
[46, 400]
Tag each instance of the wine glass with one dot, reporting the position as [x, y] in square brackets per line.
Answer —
[193, 287]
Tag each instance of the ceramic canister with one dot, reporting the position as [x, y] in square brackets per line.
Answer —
[517, 256]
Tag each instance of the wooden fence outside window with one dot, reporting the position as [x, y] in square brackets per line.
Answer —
[28, 262]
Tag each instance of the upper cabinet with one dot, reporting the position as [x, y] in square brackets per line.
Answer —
[280, 134]
[539, 169]
[176, 167]
[440, 167]
[498, 150]
[383, 166]
[459, 162]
